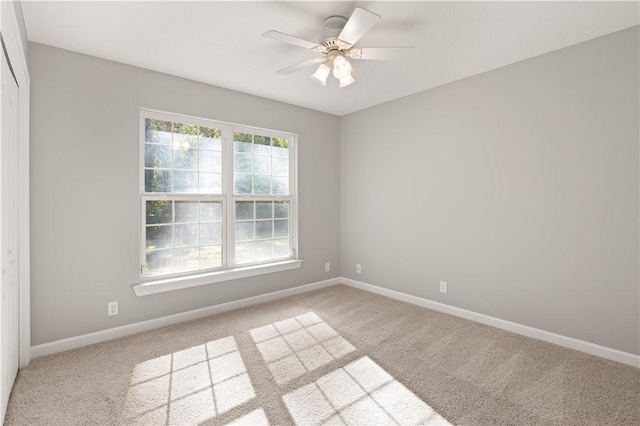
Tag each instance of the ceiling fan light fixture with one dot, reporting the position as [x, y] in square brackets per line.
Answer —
[337, 47]
[349, 79]
[341, 67]
[321, 74]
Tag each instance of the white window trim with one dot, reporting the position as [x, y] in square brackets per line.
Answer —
[176, 283]
[164, 283]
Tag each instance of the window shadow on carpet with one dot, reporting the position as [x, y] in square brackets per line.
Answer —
[203, 382]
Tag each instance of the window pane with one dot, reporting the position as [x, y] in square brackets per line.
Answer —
[261, 185]
[264, 209]
[242, 146]
[281, 248]
[263, 250]
[186, 259]
[159, 262]
[281, 209]
[157, 180]
[187, 235]
[280, 147]
[210, 138]
[261, 165]
[241, 163]
[158, 212]
[189, 148]
[190, 226]
[242, 184]
[281, 228]
[210, 256]
[270, 236]
[157, 156]
[244, 210]
[245, 252]
[159, 236]
[185, 182]
[186, 211]
[280, 185]
[185, 136]
[210, 183]
[261, 145]
[211, 233]
[264, 229]
[244, 231]
[280, 152]
[157, 131]
[280, 166]
[266, 159]
[185, 159]
[242, 142]
[210, 212]
[210, 161]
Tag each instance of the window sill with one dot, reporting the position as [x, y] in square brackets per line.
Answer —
[162, 285]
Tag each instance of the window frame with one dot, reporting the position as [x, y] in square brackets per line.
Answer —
[228, 270]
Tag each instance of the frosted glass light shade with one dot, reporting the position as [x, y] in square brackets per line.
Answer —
[344, 82]
[321, 74]
[349, 79]
[341, 67]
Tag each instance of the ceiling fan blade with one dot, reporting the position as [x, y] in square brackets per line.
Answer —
[297, 67]
[359, 23]
[287, 38]
[380, 53]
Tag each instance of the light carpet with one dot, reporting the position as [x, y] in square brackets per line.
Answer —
[332, 356]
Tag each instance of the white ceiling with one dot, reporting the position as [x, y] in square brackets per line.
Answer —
[221, 43]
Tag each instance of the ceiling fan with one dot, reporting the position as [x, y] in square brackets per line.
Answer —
[337, 45]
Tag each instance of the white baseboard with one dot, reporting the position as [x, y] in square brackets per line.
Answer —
[126, 330]
[568, 342]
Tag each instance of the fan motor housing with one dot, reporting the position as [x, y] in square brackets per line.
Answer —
[331, 29]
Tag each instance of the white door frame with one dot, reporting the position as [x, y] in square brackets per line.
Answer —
[15, 50]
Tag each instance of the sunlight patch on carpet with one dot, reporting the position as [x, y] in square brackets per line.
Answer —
[361, 392]
[295, 346]
[253, 418]
[189, 386]
[203, 382]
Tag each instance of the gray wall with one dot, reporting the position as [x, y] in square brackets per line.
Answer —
[85, 195]
[519, 187]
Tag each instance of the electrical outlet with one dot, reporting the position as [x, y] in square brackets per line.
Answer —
[327, 267]
[112, 308]
[443, 286]
[358, 268]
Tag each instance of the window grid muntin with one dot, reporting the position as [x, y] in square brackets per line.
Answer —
[175, 145]
[227, 185]
[174, 246]
[273, 153]
[254, 222]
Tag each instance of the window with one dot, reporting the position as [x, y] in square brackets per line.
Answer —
[215, 198]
